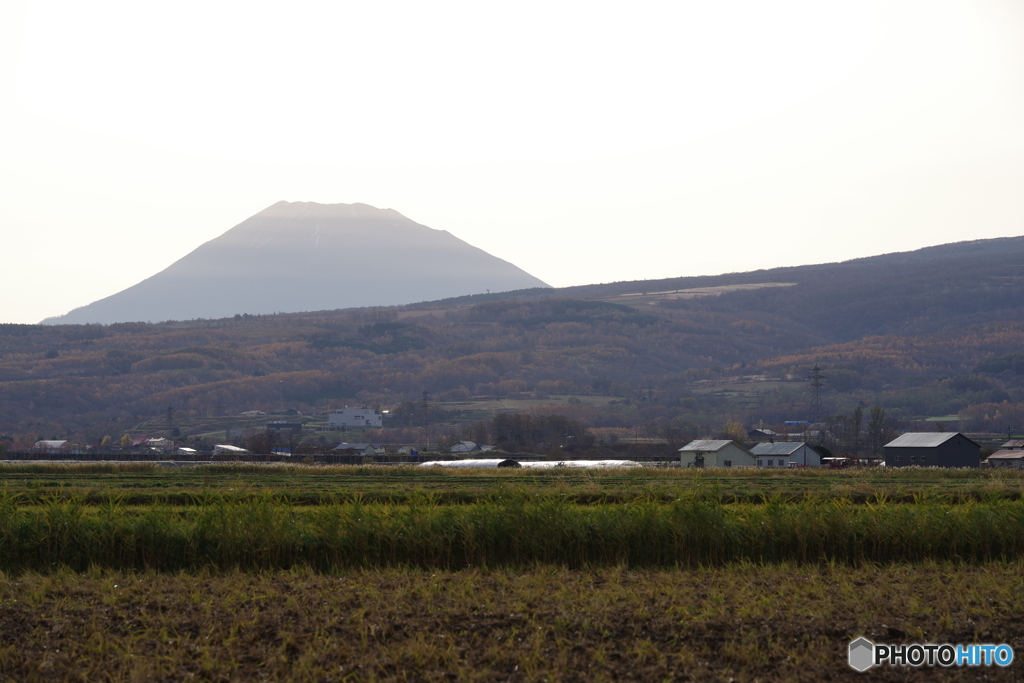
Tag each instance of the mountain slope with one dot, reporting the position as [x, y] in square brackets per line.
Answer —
[906, 293]
[304, 256]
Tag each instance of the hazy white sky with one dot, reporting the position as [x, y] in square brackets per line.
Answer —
[582, 141]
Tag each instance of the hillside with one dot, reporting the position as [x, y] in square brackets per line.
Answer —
[303, 256]
[929, 333]
[913, 292]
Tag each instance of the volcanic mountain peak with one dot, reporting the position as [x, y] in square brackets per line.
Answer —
[305, 256]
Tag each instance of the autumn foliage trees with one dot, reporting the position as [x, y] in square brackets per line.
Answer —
[667, 366]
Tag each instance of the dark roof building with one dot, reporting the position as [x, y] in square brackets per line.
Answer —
[761, 434]
[1013, 445]
[932, 449]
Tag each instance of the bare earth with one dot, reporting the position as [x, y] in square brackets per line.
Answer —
[743, 623]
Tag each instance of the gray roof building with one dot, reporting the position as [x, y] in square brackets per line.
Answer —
[1006, 458]
[932, 449]
[784, 453]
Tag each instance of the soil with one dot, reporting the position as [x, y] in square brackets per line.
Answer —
[744, 623]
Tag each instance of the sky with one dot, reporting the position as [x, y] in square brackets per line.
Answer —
[582, 141]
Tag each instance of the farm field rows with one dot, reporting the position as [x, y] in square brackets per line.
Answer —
[137, 572]
[148, 483]
[745, 623]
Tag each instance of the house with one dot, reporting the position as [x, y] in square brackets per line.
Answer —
[932, 449]
[762, 434]
[139, 441]
[1013, 445]
[712, 453]
[786, 454]
[360, 449]
[189, 452]
[354, 417]
[159, 442]
[253, 413]
[1012, 458]
[465, 447]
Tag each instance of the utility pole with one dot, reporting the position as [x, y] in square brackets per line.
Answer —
[170, 415]
[425, 406]
[816, 382]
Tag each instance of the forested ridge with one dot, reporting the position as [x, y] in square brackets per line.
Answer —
[933, 332]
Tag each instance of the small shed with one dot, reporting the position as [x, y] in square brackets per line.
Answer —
[786, 454]
[1006, 458]
[715, 453]
[932, 449]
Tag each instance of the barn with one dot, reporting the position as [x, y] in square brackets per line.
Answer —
[714, 453]
[932, 449]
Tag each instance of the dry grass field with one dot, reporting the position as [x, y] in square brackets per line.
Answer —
[284, 573]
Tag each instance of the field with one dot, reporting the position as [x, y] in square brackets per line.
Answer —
[237, 573]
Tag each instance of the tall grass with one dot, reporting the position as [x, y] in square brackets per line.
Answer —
[508, 531]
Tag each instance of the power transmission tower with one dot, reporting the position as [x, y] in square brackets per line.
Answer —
[816, 382]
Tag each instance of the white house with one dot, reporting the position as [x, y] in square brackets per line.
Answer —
[715, 453]
[1013, 458]
[786, 454]
[354, 417]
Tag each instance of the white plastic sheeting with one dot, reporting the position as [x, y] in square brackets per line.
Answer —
[577, 464]
[533, 464]
[504, 462]
[225, 448]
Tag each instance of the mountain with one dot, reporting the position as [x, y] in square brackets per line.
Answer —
[304, 256]
[933, 332]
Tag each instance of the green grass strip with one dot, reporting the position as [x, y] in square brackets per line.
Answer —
[510, 531]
